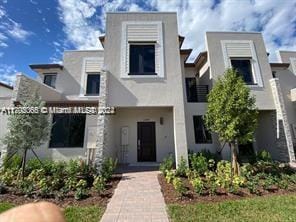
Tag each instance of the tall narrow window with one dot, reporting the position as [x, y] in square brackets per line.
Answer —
[191, 90]
[202, 135]
[244, 68]
[67, 130]
[142, 59]
[93, 84]
[50, 79]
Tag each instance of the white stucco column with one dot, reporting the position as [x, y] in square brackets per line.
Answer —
[180, 139]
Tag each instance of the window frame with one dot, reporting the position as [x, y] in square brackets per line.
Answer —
[68, 128]
[86, 83]
[50, 74]
[146, 43]
[196, 139]
[254, 81]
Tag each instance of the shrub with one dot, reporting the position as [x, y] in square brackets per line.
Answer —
[70, 183]
[80, 193]
[179, 186]
[45, 188]
[33, 164]
[7, 176]
[182, 168]
[26, 187]
[108, 168]
[99, 184]
[263, 156]
[197, 184]
[223, 178]
[198, 163]
[170, 175]
[14, 162]
[167, 164]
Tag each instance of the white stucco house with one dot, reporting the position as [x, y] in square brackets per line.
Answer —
[159, 97]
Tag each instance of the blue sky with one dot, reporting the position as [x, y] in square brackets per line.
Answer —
[37, 31]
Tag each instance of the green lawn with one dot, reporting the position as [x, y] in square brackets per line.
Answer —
[73, 214]
[272, 208]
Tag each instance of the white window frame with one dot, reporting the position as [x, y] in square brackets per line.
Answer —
[257, 76]
[125, 46]
[84, 74]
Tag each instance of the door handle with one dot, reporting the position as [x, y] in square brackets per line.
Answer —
[139, 144]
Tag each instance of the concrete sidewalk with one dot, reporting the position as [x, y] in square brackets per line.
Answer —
[137, 198]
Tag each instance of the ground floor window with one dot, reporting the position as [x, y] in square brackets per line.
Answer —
[202, 135]
[67, 130]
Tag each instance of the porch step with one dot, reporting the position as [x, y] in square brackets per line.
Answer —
[148, 164]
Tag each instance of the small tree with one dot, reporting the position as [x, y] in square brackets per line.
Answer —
[232, 113]
[27, 131]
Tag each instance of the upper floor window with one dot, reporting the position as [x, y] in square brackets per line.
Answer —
[142, 59]
[50, 79]
[191, 90]
[244, 68]
[202, 135]
[142, 49]
[93, 84]
[67, 130]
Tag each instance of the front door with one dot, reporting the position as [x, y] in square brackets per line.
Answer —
[146, 142]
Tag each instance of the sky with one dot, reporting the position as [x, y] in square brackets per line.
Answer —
[38, 31]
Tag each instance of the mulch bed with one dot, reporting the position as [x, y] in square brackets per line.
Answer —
[93, 199]
[172, 197]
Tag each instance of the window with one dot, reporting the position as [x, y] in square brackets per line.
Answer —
[67, 130]
[244, 68]
[93, 84]
[202, 135]
[50, 80]
[191, 90]
[142, 59]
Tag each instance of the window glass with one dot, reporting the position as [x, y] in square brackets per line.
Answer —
[93, 84]
[142, 60]
[244, 68]
[202, 135]
[191, 90]
[50, 80]
[67, 130]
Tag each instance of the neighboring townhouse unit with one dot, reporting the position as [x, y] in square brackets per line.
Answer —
[159, 97]
[6, 92]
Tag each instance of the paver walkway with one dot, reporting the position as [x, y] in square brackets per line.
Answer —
[137, 198]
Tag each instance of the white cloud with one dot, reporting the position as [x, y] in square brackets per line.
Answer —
[7, 74]
[11, 29]
[276, 21]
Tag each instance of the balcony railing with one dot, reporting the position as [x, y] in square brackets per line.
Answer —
[202, 92]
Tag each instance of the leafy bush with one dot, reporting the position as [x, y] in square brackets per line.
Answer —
[179, 186]
[169, 176]
[182, 168]
[197, 185]
[3, 188]
[108, 168]
[26, 187]
[263, 156]
[223, 178]
[7, 176]
[45, 188]
[70, 183]
[167, 164]
[80, 193]
[99, 184]
[14, 162]
[198, 163]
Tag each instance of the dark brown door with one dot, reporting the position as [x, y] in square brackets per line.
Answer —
[146, 141]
